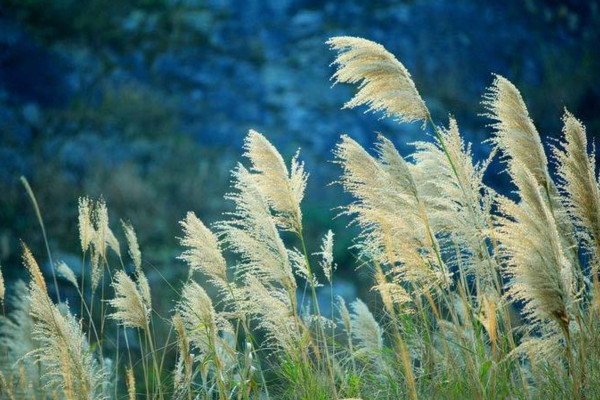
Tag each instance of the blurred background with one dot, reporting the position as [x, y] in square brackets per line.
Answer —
[147, 102]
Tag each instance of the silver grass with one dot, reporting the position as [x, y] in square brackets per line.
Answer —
[345, 317]
[203, 253]
[395, 227]
[182, 377]
[66, 273]
[132, 244]
[366, 332]
[515, 133]
[144, 289]
[457, 199]
[99, 242]
[272, 308]
[384, 83]
[541, 275]
[63, 348]
[393, 293]
[16, 339]
[253, 235]
[198, 317]
[113, 242]
[283, 190]
[546, 344]
[86, 228]
[521, 145]
[96, 266]
[300, 267]
[100, 219]
[326, 253]
[131, 306]
[577, 175]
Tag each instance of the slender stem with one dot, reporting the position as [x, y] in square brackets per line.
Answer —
[42, 226]
[318, 310]
[144, 364]
[154, 362]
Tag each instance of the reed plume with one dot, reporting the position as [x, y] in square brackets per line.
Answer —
[283, 190]
[86, 228]
[395, 228]
[66, 273]
[273, 310]
[459, 203]
[541, 275]
[515, 134]
[17, 341]
[63, 348]
[384, 83]
[577, 177]
[182, 378]
[198, 317]
[366, 331]
[578, 181]
[326, 253]
[133, 246]
[203, 253]
[131, 302]
[252, 234]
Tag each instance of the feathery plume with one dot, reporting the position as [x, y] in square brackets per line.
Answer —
[198, 316]
[384, 83]
[272, 309]
[253, 235]
[131, 306]
[34, 269]
[577, 174]
[113, 242]
[183, 370]
[298, 262]
[365, 330]
[86, 228]
[17, 342]
[326, 254]
[520, 143]
[345, 317]
[133, 246]
[283, 190]
[395, 227]
[100, 218]
[451, 184]
[515, 133]
[144, 289]
[63, 348]
[203, 253]
[97, 269]
[66, 273]
[542, 276]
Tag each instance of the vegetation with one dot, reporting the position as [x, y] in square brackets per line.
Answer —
[453, 262]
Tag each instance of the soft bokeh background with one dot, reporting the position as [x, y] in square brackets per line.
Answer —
[147, 102]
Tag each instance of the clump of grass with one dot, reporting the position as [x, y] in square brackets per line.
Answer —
[451, 261]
